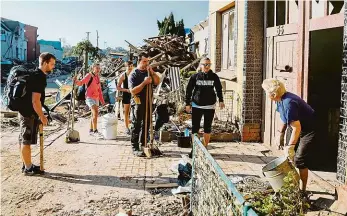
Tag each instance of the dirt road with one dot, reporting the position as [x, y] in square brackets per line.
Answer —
[93, 177]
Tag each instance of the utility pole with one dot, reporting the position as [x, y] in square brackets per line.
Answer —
[97, 38]
[88, 35]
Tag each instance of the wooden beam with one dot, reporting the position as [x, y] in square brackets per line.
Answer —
[156, 57]
[287, 12]
[326, 8]
[287, 29]
[151, 43]
[331, 21]
[306, 50]
[300, 47]
[164, 185]
[133, 47]
[228, 6]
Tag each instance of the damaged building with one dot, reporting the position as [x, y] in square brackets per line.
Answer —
[299, 42]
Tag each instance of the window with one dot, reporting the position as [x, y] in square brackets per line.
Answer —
[3, 35]
[228, 40]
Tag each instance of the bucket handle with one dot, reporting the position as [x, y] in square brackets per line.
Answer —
[273, 175]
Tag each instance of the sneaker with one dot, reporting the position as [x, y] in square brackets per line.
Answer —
[127, 131]
[91, 132]
[98, 134]
[33, 170]
[23, 168]
[138, 153]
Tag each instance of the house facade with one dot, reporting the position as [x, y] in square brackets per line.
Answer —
[297, 42]
[236, 52]
[31, 34]
[13, 40]
[200, 36]
[53, 47]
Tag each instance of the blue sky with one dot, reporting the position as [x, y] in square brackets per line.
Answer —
[116, 21]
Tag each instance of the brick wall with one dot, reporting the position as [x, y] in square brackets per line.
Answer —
[252, 71]
[32, 48]
[342, 148]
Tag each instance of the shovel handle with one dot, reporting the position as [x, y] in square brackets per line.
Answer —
[41, 146]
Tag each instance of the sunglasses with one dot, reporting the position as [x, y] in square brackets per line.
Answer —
[206, 65]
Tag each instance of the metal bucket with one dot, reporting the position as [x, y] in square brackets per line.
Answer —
[276, 170]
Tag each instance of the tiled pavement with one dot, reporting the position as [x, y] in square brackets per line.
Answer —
[108, 166]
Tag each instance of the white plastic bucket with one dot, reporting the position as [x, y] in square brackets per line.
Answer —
[109, 123]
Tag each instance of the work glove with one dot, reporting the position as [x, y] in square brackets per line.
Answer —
[290, 152]
[280, 141]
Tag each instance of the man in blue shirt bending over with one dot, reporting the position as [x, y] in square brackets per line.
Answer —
[298, 119]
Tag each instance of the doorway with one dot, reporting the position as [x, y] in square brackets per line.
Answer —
[324, 94]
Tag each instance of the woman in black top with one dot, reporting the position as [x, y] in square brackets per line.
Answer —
[123, 79]
[201, 98]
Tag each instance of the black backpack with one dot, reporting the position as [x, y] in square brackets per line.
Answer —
[81, 91]
[17, 93]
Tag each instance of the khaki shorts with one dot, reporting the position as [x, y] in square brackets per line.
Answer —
[28, 130]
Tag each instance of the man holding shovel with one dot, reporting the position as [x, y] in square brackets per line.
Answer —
[298, 121]
[29, 122]
[139, 80]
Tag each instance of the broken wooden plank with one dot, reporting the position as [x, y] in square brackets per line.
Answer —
[192, 63]
[9, 114]
[133, 47]
[163, 185]
[156, 57]
[152, 44]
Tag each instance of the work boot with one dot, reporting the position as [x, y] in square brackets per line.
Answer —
[33, 170]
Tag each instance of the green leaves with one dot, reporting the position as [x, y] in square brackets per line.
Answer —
[287, 202]
[87, 46]
[169, 26]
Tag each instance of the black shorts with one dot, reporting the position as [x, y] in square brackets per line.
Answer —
[28, 130]
[197, 114]
[303, 150]
[126, 98]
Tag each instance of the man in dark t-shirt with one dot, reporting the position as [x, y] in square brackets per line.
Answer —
[138, 83]
[29, 123]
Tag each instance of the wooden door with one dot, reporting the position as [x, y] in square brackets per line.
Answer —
[281, 64]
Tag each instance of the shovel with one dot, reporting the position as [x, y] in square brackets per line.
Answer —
[150, 149]
[72, 135]
[147, 149]
[41, 146]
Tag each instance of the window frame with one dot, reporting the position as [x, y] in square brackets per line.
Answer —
[230, 65]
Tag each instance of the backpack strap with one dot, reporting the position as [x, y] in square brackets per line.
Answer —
[90, 80]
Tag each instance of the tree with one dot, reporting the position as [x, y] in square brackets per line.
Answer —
[87, 46]
[169, 26]
[180, 28]
[67, 50]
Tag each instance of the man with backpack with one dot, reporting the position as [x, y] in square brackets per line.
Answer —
[31, 114]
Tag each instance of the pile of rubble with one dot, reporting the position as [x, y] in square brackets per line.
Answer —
[167, 51]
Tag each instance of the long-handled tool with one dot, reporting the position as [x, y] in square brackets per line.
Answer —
[72, 135]
[41, 146]
[146, 149]
[150, 149]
